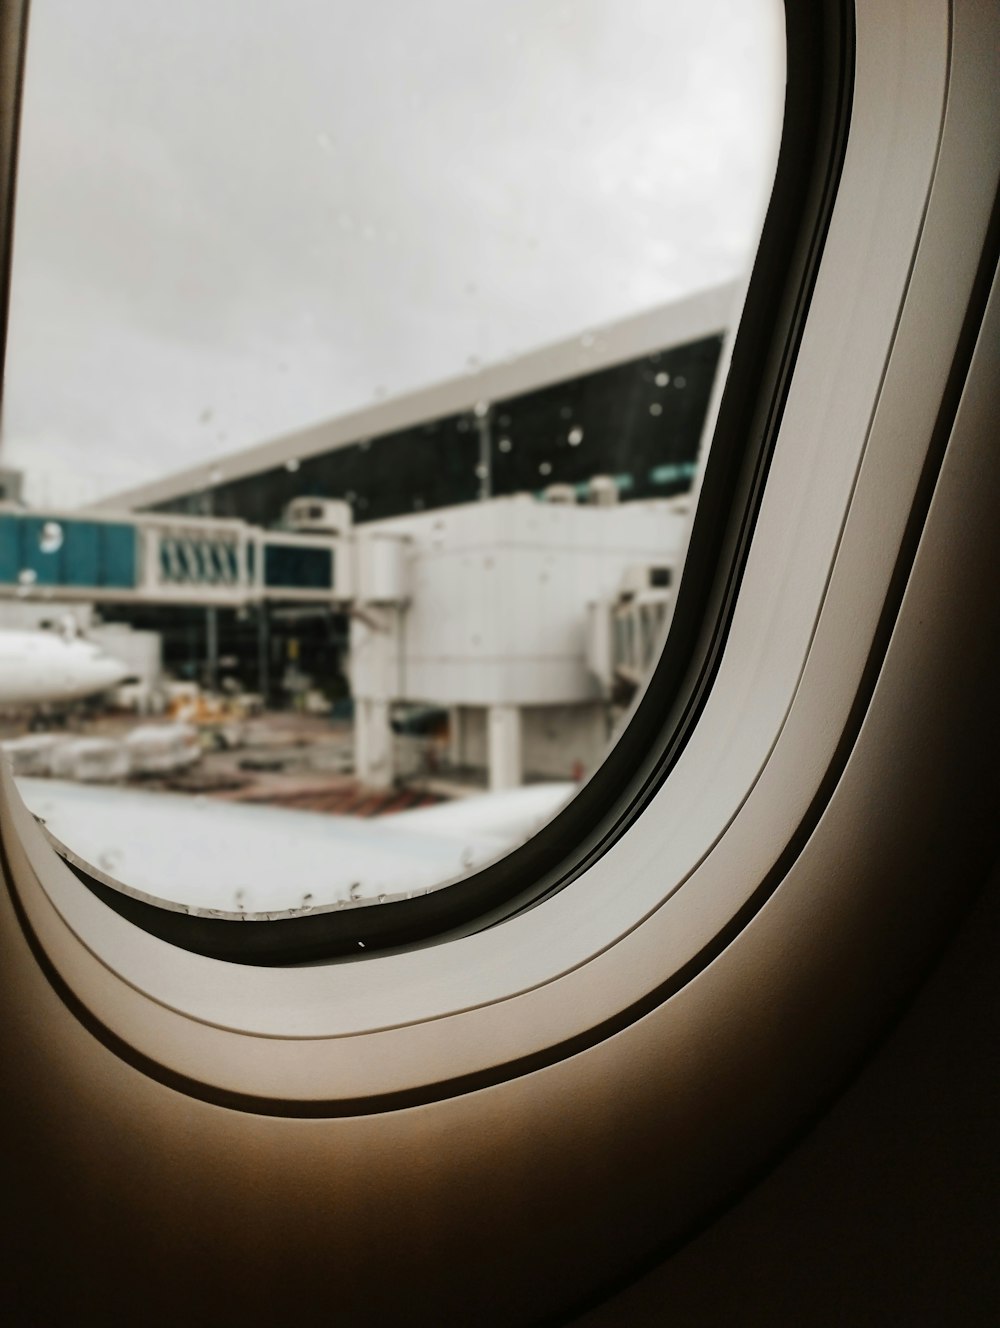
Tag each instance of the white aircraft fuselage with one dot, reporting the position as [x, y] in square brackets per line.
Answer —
[47, 667]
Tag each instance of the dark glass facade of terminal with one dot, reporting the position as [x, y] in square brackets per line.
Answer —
[639, 422]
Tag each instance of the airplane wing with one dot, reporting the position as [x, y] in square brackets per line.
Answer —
[222, 857]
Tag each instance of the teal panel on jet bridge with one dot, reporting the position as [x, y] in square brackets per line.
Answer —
[81, 553]
[10, 549]
[297, 567]
[118, 561]
[37, 555]
[50, 551]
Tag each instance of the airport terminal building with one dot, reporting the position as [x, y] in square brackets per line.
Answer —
[627, 400]
[478, 500]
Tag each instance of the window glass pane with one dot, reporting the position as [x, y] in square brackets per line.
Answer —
[360, 360]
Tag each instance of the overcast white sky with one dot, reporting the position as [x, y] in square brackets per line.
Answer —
[235, 219]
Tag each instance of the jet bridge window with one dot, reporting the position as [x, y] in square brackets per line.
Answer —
[380, 346]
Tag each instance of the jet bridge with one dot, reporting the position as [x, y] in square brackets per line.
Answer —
[151, 558]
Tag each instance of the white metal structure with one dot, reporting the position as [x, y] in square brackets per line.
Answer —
[483, 609]
[501, 1129]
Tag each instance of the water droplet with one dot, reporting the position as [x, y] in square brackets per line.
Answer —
[27, 576]
[206, 415]
[482, 471]
[662, 379]
[51, 537]
[545, 468]
[656, 409]
[679, 381]
[575, 437]
[215, 475]
[505, 444]
[361, 945]
[565, 412]
[480, 409]
[382, 898]
[292, 465]
[325, 141]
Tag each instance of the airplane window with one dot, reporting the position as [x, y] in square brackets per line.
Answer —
[361, 363]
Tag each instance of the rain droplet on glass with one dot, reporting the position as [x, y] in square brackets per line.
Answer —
[292, 464]
[505, 444]
[481, 408]
[656, 409]
[575, 437]
[50, 538]
[545, 468]
[680, 382]
[662, 379]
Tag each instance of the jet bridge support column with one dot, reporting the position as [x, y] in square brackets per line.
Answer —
[373, 756]
[504, 741]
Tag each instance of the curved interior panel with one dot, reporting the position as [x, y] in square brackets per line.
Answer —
[626, 1103]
